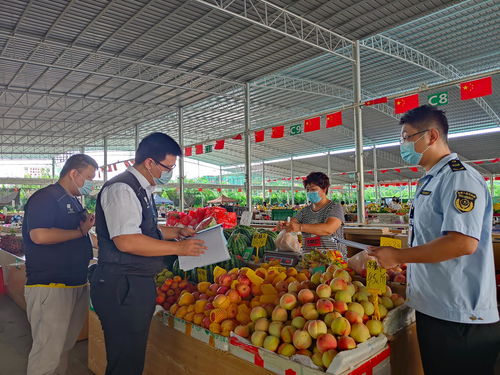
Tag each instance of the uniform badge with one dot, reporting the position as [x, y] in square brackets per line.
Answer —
[456, 165]
[464, 201]
[426, 192]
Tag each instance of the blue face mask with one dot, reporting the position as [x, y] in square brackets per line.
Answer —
[313, 196]
[87, 187]
[408, 153]
[165, 177]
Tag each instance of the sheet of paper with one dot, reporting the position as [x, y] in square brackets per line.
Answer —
[216, 249]
[356, 245]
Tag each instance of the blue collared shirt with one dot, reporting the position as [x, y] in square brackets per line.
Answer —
[453, 197]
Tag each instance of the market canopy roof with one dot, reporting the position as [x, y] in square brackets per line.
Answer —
[74, 72]
[222, 199]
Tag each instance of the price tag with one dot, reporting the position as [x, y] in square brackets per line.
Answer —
[376, 277]
[247, 254]
[313, 241]
[202, 274]
[259, 240]
[393, 242]
[320, 269]
[246, 218]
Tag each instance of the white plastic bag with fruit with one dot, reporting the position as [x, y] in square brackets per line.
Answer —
[288, 241]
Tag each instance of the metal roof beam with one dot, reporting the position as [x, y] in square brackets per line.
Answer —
[394, 48]
[262, 12]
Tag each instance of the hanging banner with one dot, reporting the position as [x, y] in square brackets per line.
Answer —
[296, 129]
[440, 98]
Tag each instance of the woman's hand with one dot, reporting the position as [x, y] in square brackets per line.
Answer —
[292, 226]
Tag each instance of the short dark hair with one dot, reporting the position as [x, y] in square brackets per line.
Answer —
[319, 179]
[156, 146]
[422, 117]
[78, 162]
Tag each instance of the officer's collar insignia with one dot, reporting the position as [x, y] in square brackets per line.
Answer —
[426, 192]
[464, 201]
[456, 165]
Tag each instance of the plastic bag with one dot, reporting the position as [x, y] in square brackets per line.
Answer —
[288, 241]
[358, 262]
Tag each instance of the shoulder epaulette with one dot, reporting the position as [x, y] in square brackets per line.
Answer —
[456, 165]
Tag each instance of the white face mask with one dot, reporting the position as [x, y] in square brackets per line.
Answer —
[88, 186]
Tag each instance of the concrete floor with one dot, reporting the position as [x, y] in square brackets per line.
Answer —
[15, 343]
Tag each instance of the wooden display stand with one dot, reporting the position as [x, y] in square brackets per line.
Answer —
[172, 352]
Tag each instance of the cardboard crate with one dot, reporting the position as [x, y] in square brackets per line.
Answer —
[371, 357]
[196, 332]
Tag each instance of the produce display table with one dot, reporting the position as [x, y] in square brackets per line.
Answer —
[172, 352]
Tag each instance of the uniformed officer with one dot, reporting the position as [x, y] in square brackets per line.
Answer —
[131, 252]
[58, 251]
[451, 275]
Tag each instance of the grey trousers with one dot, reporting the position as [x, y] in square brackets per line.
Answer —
[56, 316]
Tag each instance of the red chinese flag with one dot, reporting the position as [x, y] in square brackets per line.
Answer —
[240, 190]
[376, 101]
[238, 137]
[278, 132]
[414, 169]
[199, 149]
[259, 136]
[110, 168]
[200, 189]
[476, 89]
[114, 167]
[397, 170]
[219, 190]
[188, 151]
[404, 104]
[219, 145]
[333, 119]
[312, 124]
[270, 190]
[127, 163]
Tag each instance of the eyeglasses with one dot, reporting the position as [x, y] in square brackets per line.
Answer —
[169, 169]
[407, 137]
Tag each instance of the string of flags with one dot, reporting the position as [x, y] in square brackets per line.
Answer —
[468, 90]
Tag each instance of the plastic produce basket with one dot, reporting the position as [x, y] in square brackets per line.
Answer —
[282, 214]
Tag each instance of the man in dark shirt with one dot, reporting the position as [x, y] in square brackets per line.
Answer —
[58, 251]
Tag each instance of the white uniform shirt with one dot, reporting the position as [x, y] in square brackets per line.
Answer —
[122, 209]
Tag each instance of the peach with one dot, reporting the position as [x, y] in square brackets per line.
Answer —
[221, 301]
[315, 278]
[302, 339]
[338, 284]
[186, 299]
[328, 357]
[298, 322]
[189, 316]
[293, 287]
[353, 317]
[279, 314]
[257, 313]
[199, 306]
[286, 334]
[233, 296]
[198, 318]
[295, 313]
[361, 296]
[317, 359]
[205, 323]
[181, 312]
[262, 324]
[288, 301]
[387, 302]
[218, 315]
[286, 349]
[281, 286]
[360, 332]
[258, 338]
[232, 311]
[324, 306]
[340, 306]
[309, 311]
[346, 343]
[354, 306]
[343, 296]
[323, 291]
[243, 318]
[269, 307]
[325, 278]
[214, 327]
[388, 291]
[304, 352]
[203, 286]
[271, 343]
[228, 325]
[332, 268]
[397, 300]
[358, 285]
[341, 326]
[326, 342]
[375, 327]
[382, 310]
[316, 328]
[305, 296]
[368, 307]
[275, 328]
[330, 317]
[241, 330]
[342, 274]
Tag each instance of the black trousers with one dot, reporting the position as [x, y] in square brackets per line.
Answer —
[457, 348]
[125, 305]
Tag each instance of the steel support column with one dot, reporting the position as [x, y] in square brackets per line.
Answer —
[136, 136]
[292, 180]
[248, 162]
[492, 186]
[375, 175]
[105, 159]
[181, 159]
[53, 168]
[358, 132]
[263, 182]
